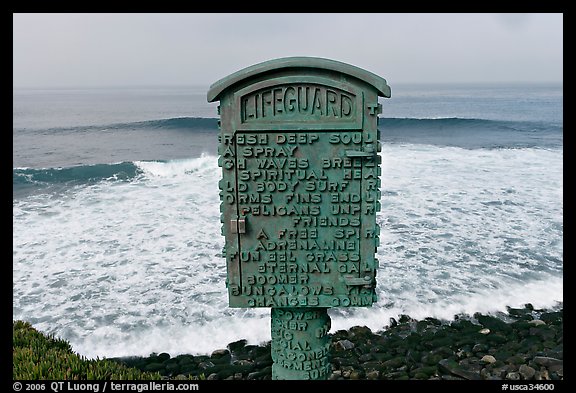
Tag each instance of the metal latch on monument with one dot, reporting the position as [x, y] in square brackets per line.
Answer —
[238, 225]
[369, 153]
[356, 281]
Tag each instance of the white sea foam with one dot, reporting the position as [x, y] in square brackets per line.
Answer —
[129, 268]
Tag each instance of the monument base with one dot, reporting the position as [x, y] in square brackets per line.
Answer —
[300, 343]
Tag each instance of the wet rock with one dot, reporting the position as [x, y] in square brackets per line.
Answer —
[394, 363]
[396, 375]
[336, 374]
[537, 322]
[219, 357]
[448, 366]
[488, 359]
[542, 375]
[237, 346]
[365, 357]
[428, 371]
[374, 374]
[546, 361]
[154, 367]
[205, 365]
[493, 323]
[526, 372]
[497, 373]
[359, 331]
[513, 376]
[163, 357]
[555, 317]
[343, 345]
[172, 368]
[484, 331]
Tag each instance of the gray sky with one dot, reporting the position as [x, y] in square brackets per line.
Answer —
[77, 50]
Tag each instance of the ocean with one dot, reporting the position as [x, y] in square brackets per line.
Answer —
[116, 229]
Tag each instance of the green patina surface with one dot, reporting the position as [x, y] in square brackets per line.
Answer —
[300, 184]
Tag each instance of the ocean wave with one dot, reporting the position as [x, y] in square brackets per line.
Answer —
[196, 124]
[44, 179]
[385, 123]
[464, 124]
[472, 133]
[77, 174]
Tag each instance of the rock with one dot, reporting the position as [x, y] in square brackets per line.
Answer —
[542, 375]
[242, 362]
[521, 313]
[515, 359]
[365, 357]
[555, 317]
[188, 369]
[448, 377]
[153, 367]
[346, 371]
[205, 365]
[394, 362]
[556, 371]
[219, 353]
[374, 374]
[493, 373]
[236, 346]
[484, 331]
[421, 326]
[428, 371]
[451, 367]
[355, 375]
[513, 376]
[172, 368]
[359, 331]
[447, 365]
[184, 359]
[180, 377]
[404, 318]
[431, 359]
[335, 375]
[526, 372]
[262, 374]
[163, 356]
[480, 348]
[212, 377]
[493, 323]
[546, 361]
[343, 345]
[537, 322]
[396, 375]
[339, 335]
[542, 331]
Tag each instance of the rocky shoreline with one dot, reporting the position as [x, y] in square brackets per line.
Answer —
[524, 344]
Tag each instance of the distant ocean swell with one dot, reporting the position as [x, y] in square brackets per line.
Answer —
[456, 123]
[399, 124]
[177, 123]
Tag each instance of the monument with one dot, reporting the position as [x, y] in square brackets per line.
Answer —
[300, 188]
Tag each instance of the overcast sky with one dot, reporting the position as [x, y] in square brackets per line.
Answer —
[80, 50]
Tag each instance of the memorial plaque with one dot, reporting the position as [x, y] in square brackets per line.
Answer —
[300, 188]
